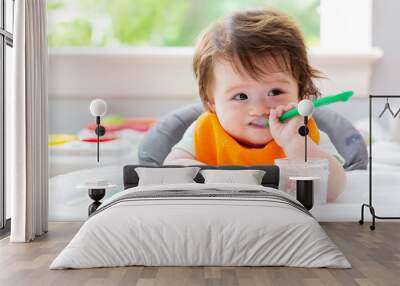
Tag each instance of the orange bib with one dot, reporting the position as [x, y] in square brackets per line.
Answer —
[214, 146]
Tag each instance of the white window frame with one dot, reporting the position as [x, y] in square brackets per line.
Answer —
[346, 57]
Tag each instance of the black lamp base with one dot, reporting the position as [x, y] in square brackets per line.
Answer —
[305, 193]
[96, 195]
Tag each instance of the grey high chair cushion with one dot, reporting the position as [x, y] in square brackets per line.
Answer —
[344, 136]
[165, 134]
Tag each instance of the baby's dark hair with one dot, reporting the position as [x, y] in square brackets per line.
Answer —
[249, 40]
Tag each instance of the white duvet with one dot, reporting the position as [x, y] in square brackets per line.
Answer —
[183, 231]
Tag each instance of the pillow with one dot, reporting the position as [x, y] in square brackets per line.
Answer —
[271, 179]
[162, 176]
[248, 177]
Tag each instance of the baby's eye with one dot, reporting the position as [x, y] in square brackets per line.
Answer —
[240, 96]
[275, 92]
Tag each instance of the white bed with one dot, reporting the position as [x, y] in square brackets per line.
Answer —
[241, 228]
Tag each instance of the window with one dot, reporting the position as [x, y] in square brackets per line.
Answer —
[6, 43]
[104, 23]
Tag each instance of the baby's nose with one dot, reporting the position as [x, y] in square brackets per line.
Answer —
[259, 110]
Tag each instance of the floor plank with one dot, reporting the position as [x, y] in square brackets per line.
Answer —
[374, 255]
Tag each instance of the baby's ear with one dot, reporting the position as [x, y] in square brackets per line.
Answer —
[211, 106]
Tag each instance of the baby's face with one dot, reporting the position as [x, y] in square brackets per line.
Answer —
[242, 104]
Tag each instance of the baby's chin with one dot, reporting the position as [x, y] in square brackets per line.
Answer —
[254, 143]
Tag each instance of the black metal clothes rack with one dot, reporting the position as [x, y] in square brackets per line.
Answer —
[370, 205]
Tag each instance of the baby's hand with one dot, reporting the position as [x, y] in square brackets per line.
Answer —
[284, 132]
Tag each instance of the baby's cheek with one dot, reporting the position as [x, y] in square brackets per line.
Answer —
[230, 123]
[228, 116]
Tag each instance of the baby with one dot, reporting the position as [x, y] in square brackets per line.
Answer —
[250, 67]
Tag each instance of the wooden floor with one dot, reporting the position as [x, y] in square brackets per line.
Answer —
[374, 255]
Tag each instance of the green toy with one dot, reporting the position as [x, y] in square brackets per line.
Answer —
[343, 96]
[113, 120]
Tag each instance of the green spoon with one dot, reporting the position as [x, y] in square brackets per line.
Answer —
[343, 96]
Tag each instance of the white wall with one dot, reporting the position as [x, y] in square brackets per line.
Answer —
[386, 23]
[386, 74]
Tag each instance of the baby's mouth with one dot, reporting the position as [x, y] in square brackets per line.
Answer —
[258, 123]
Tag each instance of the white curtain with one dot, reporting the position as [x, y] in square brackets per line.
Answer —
[26, 123]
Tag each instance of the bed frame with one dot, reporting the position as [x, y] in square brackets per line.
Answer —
[270, 179]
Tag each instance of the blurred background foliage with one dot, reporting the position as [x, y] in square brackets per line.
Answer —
[118, 23]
